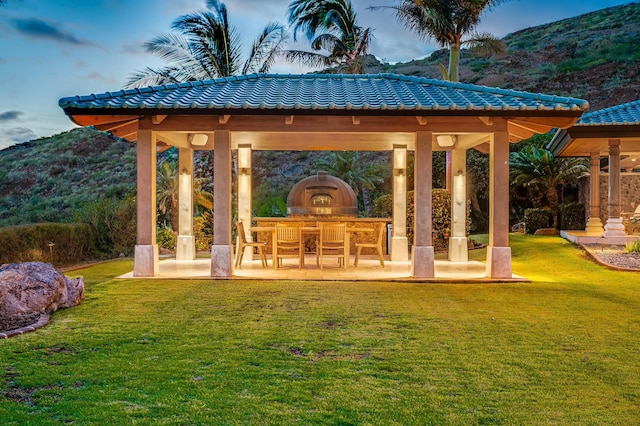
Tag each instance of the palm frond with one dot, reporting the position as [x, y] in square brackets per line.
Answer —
[266, 48]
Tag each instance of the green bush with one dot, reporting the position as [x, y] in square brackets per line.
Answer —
[383, 206]
[113, 225]
[72, 242]
[633, 247]
[535, 219]
[572, 216]
[166, 238]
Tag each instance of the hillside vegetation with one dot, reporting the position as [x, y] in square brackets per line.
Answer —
[593, 56]
[50, 179]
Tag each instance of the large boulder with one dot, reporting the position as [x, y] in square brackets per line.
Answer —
[31, 287]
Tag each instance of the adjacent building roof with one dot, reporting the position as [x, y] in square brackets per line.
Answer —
[624, 114]
[591, 134]
[313, 92]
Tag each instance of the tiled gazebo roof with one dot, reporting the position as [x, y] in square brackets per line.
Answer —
[349, 93]
[394, 97]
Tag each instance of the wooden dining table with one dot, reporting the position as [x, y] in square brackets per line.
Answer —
[309, 230]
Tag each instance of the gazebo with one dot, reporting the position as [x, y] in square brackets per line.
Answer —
[612, 132]
[324, 112]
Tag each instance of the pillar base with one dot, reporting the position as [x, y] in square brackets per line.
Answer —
[399, 249]
[614, 227]
[422, 262]
[145, 261]
[221, 261]
[499, 262]
[185, 247]
[458, 249]
[594, 226]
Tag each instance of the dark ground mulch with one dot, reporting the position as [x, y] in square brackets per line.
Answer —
[12, 323]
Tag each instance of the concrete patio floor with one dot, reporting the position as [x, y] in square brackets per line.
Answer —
[368, 269]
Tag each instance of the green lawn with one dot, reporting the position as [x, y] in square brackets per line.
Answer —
[564, 349]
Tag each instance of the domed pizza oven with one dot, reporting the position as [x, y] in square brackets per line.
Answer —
[322, 195]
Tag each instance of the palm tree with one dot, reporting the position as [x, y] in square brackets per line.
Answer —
[348, 166]
[332, 27]
[205, 45]
[452, 24]
[538, 166]
[167, 193]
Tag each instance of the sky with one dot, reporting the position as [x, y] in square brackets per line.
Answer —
[51, 49]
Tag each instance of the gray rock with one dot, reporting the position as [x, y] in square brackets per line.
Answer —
[31, 287]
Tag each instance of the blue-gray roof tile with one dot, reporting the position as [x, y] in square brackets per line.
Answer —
[364, 92]
[623, 114]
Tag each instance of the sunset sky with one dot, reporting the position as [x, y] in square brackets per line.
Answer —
[52, 49]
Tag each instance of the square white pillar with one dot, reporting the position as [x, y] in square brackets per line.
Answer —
[422, 255]
[145, 261]
[499, 252]
[245, 193]
[399, 243]
[458, 251]
[185, 242]
[221, 251]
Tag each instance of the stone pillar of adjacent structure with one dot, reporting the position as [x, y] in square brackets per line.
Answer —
[422, 255]
[222, 249]
[399, 244]
[145, 263]
[185, 242]
[244, 193]
[498, 251]
[458, 249]
[614, 226]
[594, 223]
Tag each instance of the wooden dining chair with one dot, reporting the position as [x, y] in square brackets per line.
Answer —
[377, 245]
[332, 243]
[289, 243]
[242, 243]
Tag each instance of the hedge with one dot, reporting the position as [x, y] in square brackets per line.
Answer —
[535, 219]
[24, 243]
[572, 216]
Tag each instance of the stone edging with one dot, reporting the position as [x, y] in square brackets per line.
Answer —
[593, 254]
[44, 320]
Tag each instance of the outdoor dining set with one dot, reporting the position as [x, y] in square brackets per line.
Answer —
[290, 241]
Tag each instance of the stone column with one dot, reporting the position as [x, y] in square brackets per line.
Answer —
[614, 226]
[244, 193]
[594, 224]
[145, 262]
[499, 252]
[399, 244]
[458, 250]
[222, 251]
[422, 255]
[185, 243]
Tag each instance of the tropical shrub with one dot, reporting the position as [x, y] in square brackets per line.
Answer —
[113, 225]
[166, 238]
[535, 219]
[572, 216]
[72, 242]
[633, 247]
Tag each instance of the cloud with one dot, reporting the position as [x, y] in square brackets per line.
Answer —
[16, 135]
[37, 28]
[10, 116]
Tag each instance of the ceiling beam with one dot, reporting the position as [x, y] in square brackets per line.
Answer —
[157, 119]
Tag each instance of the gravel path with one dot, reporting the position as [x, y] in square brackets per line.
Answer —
[614, 256]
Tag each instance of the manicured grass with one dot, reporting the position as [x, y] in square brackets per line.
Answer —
[560, 350]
